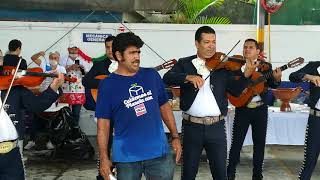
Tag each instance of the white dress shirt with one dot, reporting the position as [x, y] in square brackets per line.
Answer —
[113, 66]
[8, 132]
[205, 103]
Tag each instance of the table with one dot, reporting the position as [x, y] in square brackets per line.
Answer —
[285, 128]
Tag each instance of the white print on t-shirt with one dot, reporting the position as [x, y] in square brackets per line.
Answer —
[137, 99]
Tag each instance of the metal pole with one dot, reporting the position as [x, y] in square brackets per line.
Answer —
[260, 25]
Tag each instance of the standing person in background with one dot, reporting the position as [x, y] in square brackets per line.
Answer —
[48, 67]
[255, 113]
[134, 98]
[74, 92]
[52, 66]
[204, 104]
[103, 67]
[310, 73]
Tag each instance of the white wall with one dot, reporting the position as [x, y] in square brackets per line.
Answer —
[168, 40]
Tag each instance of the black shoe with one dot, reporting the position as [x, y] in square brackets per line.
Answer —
[231, 178]
[257, 178]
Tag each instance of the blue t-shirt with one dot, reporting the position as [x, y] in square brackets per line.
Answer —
[133, 103]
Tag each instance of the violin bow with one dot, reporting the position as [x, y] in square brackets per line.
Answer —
[10, 86]
[85, 18]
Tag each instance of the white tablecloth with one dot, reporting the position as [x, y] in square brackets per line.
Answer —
[285, 128]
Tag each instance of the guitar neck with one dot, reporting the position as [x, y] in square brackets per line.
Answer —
[40, 74]
[268, 75]
[158, 68]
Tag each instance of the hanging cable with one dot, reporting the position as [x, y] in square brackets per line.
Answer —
[82, 20]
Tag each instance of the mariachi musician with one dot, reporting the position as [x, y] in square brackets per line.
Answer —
[311, 74]
[204, 103]
[18, 99]
[254, 113]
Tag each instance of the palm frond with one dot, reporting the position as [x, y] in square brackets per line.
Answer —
[212, 20]
[217, 3]
[189, 11]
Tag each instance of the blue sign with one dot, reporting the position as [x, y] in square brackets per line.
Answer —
[94, 37]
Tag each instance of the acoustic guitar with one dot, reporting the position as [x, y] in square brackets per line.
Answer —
[257, 84]
[166, 65]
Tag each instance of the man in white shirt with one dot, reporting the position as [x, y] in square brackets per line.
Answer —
[204, 102]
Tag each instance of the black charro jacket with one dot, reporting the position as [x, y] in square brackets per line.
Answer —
[312, 69]
[21, 99]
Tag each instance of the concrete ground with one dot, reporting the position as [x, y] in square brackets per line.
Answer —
[281, 162]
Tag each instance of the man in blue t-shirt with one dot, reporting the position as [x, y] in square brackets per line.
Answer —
[135, 100]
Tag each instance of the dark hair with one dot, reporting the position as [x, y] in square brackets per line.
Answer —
[109, 38]
[14, 45]
[203, 29]
[254, 41]
[124, 40]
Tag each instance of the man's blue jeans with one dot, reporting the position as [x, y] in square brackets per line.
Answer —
[161, 168]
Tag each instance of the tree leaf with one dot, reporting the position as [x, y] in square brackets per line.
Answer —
[212, 20]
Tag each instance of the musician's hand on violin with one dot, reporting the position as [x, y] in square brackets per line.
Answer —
[57, 82]
[314, 79]
[251, 66]
[197, 81]
[277, 73]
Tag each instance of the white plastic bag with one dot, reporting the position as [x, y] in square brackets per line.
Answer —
[7, 130]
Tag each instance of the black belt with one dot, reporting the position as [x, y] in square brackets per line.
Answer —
[314, 112]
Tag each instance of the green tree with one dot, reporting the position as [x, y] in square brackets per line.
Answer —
[192, 12]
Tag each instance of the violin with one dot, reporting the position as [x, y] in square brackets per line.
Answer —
[29, 78]
[220, 61]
